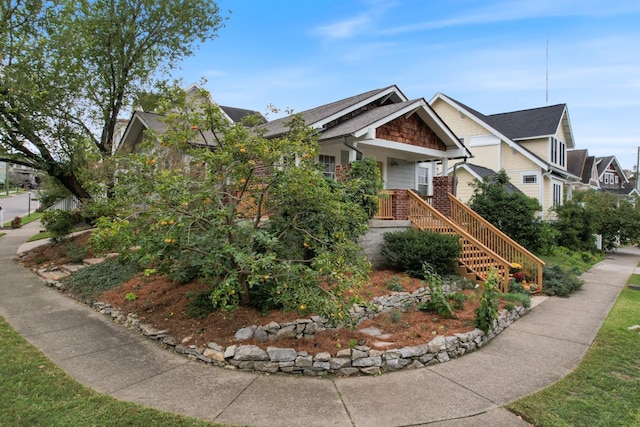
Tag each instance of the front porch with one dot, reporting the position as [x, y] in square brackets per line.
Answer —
[485, 248]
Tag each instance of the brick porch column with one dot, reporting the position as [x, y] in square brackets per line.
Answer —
[442, 186]
[400, 207]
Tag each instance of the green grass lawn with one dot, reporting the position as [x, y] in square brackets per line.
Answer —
[35, 392]
[605, 388]
[25, 219]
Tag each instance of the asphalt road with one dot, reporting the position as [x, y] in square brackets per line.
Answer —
[18, 205]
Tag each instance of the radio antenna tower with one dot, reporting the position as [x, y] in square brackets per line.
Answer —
[547, 74]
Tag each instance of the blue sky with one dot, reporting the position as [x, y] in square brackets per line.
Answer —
[490, 55]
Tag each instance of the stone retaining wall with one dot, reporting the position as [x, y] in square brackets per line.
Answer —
[356, 360]
[346, 362]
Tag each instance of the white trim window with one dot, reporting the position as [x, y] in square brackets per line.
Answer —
[557, 194]
[329, 163]
[423, 180]
[528, 178]
[558, 152]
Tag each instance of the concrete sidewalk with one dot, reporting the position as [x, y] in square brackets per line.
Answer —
[534, 352]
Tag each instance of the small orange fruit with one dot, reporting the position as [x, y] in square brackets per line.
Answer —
[243, 150]
[303, 307]
[170, 222]
[167, 240]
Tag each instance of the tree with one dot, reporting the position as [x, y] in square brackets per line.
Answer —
[576, 226]
[615, 219]
[70, 68]
[255, 218]
[514, 213]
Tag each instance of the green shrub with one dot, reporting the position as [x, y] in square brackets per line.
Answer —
[363, 184]
[199, 305]
[394, 284]
[557, 280]
[438, 302]
[409, 250]
[519, 297]
[59, 223]
[16, 222]
[511, 211]
[457, 300]
[487, 310]
[89, 282]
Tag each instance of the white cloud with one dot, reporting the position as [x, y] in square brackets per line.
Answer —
[344, 29]
[519, 10]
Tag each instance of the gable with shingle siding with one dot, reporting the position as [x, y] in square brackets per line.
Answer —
[412, 131]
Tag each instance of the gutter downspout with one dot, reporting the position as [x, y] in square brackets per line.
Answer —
[354, 148]
[455, 168]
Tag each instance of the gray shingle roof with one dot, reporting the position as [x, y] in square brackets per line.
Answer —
[603, 163]
[542, 121]
[237, 114]
[322, 112]
[483, 172]
[363, 120]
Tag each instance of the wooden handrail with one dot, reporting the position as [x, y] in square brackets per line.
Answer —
[499, 242]
[476, 256]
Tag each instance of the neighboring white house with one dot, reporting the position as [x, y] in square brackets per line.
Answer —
[530, 145]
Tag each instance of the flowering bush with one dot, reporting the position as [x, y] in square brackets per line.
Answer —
[252, 217]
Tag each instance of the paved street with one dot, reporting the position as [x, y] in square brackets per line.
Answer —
[18, 205]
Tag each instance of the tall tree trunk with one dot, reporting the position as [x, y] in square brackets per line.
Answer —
[71, 183]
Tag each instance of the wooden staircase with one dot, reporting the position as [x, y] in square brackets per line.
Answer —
[484, 247]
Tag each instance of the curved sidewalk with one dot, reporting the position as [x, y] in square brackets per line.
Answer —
[534, 352]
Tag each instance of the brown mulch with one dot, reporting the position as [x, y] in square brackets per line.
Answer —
[163, 304]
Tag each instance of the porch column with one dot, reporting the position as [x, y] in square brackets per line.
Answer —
[442, 186]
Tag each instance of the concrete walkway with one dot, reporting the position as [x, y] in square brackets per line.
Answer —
[537, 350]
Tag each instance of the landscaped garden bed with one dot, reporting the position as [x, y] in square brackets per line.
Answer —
[392, 332]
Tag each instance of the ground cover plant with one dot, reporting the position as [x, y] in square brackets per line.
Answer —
[605, 388]
[33, 391]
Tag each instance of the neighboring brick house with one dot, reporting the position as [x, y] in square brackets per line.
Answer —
[530, 145]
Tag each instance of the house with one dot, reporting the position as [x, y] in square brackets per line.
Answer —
[600, 174]
[581, 164]
[405, 137]
[409, 142]
[130, 133]
[530, 145]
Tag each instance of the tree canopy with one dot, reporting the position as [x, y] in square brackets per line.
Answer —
[514, 213]
[253, 217]
[70, 68]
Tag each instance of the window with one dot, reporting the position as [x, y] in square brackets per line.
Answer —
[558, 152]
[529, 179]
[329, 165]
[617, 179]
[557, 194]
[423, 181]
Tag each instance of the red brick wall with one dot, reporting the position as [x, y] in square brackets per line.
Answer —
[411, 131]
[400, 204]
[341, 172]
[442, 186]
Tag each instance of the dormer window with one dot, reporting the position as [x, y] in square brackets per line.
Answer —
[558, 152]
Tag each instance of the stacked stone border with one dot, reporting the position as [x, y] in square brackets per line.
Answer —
[345, 362]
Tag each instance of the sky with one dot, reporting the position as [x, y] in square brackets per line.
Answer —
[494, 56]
